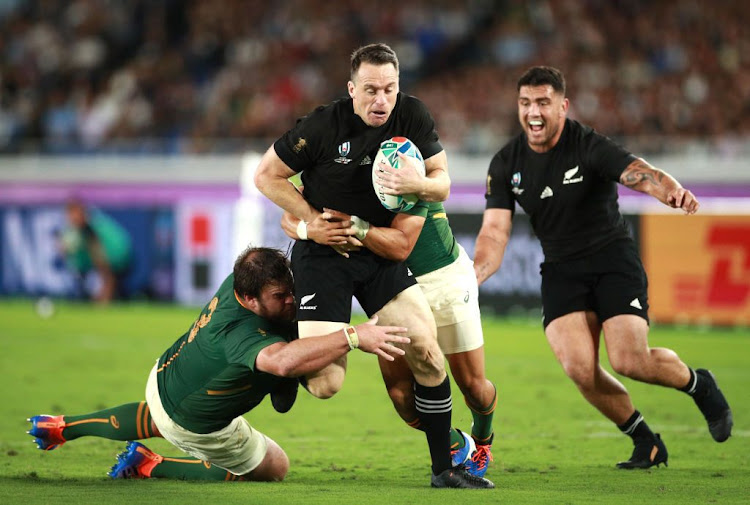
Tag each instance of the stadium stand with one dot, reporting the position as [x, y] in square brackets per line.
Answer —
[172, 76]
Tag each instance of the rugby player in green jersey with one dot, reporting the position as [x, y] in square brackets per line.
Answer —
[241, 348]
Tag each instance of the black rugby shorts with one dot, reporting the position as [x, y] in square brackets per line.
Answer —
[325, 281]
[609, 282]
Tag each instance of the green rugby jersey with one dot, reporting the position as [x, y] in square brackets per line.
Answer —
[436, 246]
[208, 377]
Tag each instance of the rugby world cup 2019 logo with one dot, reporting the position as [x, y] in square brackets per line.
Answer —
[516, 182]
[344, 149]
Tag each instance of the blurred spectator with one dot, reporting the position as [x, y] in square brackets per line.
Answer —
[98, 251]
[215, 76]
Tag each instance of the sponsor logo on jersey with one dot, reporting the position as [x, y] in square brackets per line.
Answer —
[304, 300]
[301, 143]
[546, 193]
[568, 177]
[409, 272]
[516, 182]
[637, 304]
[366, 161]
[344, 149]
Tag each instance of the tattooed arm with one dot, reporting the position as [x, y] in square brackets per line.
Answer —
[640, 176]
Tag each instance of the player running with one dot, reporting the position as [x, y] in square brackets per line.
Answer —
[446, 275]
[334, 148]
[564, 175]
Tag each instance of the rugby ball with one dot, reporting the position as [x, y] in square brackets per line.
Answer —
[388, 152]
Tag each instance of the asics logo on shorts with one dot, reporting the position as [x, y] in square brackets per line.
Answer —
[303, 302]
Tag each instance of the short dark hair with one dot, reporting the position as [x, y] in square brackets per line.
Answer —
[375, 54]
[541, 75]
[258, 267]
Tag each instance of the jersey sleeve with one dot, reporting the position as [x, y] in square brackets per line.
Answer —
[422, 129]
[242, 347]
[298, 146]
[607, 157]
[420, 209]
[498, 191]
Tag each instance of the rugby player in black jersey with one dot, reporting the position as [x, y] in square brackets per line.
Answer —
[334, 148]
[564, 175]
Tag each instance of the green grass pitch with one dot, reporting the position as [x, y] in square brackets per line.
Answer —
[550, 445]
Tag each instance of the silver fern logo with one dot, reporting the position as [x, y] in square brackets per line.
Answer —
[303, 302]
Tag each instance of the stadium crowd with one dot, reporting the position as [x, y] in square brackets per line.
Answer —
[185, 76]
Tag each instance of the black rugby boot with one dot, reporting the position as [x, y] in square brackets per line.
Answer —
[646, 453]
[458, 477]
[714, 407]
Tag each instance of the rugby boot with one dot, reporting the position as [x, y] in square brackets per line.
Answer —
[47, 431]
[480, 459]
[459, 478]
[135, 462]
[459, 455]
[284, 395]
[646, 453]
[714, 407]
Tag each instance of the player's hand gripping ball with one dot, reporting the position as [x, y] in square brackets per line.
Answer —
[388, 152]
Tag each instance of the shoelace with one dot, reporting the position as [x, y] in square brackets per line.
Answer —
[481, 456]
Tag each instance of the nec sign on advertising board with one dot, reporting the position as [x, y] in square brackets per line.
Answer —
[31, 262]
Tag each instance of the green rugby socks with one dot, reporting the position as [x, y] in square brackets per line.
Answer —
[481, 428]
[131, 421]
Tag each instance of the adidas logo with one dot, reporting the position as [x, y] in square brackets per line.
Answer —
[366, 161]
[635, 303]
[546, 193]
[303, 302]
[568, 176]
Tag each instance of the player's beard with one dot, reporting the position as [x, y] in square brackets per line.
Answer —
[285, 315]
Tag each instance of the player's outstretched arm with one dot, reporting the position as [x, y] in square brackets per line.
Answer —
[308, 355]
[641, 176]
[434, 186]
[272, 179]
[491, 241]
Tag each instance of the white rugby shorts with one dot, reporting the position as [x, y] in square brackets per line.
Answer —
[453, 295]
[237, 448]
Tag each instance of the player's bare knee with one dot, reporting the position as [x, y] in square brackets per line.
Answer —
[274, 466]
[583, 374]
[426, 359]
[628, 364]
[473, 389]
[323, 389]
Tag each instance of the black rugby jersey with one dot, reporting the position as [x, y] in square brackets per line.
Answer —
[569, 192]
[334, 149]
